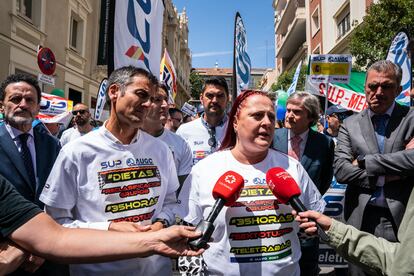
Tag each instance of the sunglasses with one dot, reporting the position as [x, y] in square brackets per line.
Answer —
[81, 112]
[212, 142]
[384, 86]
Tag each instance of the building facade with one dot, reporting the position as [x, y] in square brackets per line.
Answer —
[290, 33]
[256, 75]
[331, 22]
[305, 27]
[70, 28]
[175, 40]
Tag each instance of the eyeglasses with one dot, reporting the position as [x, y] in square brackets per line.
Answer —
[81, 112]
[212, 142]
[384, 86]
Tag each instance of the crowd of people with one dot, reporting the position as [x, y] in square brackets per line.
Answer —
[106, 200]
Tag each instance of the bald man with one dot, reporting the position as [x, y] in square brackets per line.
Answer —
[82, 120]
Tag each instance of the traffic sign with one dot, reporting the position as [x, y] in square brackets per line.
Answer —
[46, 61]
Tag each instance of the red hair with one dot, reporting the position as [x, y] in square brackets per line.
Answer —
[230, 137]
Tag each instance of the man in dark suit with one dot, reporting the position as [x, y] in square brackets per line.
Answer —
[371, 158]
[314, 151]
[27, 155]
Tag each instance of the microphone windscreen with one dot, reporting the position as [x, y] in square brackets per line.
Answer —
[282, 184]
[228, 187]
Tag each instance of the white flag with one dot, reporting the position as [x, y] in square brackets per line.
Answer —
[398, 53]
[137, 34]
[242, 59]
[292, 87]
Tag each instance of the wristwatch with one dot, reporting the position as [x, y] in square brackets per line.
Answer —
[164, 222]
[361, 161]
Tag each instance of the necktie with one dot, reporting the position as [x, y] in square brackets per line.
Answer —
[295, 147]
[27, 158]
[380, 125]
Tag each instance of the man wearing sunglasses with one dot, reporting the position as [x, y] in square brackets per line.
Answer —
[335, 116]
[371, 157]
[82, 124]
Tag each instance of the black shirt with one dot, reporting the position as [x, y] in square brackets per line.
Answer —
[14, 209]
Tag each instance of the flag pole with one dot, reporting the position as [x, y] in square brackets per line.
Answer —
[234, 81]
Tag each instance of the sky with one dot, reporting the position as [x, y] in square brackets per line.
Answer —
[211, 31]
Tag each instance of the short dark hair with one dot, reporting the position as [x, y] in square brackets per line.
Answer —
[217, 81]
[174, 110]
[383, 66]
[19, 77]
[123, 77]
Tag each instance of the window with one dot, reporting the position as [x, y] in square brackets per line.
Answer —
[29, 10]
[315, 22]
[76, 33]
[344, 26]
[75, 96]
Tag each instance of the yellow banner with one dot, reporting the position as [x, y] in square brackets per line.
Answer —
[322, 68]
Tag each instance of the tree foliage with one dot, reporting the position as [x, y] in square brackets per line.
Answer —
[285, 79]
[196, 83]
[371, 39]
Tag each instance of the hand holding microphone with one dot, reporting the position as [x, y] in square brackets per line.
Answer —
[226, 191]
[286, 190]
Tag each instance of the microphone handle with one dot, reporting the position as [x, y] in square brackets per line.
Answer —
[218, 205]
[206, 227]
[297, 204]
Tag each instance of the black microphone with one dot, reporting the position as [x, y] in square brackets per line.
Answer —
[226, 191]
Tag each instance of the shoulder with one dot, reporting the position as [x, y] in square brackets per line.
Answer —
[44, 136]
[152, 143]
[187, 128]
[322, 138]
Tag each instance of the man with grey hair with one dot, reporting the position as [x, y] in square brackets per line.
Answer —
[117, 178]
[371, 157]
[315, 152]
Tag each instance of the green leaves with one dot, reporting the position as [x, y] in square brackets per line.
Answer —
[371, 39]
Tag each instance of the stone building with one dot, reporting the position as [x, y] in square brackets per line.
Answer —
[71, 29]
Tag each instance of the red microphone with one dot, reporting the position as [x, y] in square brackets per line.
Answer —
[226, 191]
[286, 190]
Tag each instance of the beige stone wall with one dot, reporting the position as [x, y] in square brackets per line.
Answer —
[76, 68]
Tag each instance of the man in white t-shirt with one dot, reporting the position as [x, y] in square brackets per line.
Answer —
[204, 135]
[158, 112]
[118, 177]
[82, 120]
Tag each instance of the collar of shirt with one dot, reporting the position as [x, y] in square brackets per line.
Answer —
[207, 125]
[389, 111]
[303, 135]
[112, 137]
[14, 133]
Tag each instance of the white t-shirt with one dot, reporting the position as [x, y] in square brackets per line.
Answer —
[180, 150]
[69, 135]
[196, 135]
[96, 180]
[256, 236]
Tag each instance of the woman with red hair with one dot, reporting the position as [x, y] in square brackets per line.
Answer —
[256, 235]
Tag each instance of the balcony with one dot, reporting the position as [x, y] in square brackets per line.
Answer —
[292, 10]
[295, 35]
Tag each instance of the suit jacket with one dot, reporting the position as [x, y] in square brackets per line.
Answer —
[317, 158]
[12, 166]
[357, 137]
